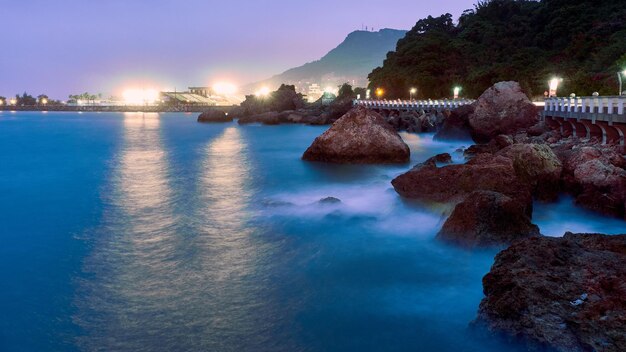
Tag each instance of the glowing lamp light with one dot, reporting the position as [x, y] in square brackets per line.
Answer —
[140, 96]
[380, 92]
[263, 92]
[1, 102]
[329, 90]
[457, 90]
[224, 88]
[44, 101]
[554, 86]
[13, 101]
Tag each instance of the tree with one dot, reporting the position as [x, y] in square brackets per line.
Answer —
[581, 41]
[25, 100]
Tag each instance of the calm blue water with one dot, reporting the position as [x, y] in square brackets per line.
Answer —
[133, 232]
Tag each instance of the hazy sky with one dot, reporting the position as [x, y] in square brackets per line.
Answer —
[70, 46]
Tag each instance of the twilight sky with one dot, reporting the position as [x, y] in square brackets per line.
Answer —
[71, 46]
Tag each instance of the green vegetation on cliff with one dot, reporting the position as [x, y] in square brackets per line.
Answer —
[583, 42]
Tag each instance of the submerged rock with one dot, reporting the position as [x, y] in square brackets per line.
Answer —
[567, 294]
[502, 109]
[486, 219]
[359, 137]
[329, 200]
[214, 116]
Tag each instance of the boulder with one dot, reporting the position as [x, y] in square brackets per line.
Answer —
[456, 126]
[502, 109]
[538, 166]
[359, 137]
[595, 175]
[451, 184]
[443, 158]
[214, 116]
[566, 294]
[486, 219]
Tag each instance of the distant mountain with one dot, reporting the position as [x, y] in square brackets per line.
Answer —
[351, 61]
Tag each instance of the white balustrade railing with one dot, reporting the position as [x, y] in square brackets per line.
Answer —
[413, 104]
[587, 105]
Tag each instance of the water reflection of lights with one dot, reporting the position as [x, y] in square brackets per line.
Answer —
[129, 263]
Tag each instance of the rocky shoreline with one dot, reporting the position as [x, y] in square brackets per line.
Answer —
[564, 294]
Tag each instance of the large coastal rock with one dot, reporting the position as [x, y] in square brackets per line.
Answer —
[502, 109]
[451, 184]
[214, 116]
[595, 175]
[486, 219]
[538, 166]
[359, 137]
[568, 294]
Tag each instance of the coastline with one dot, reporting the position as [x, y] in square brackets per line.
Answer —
[63, 108]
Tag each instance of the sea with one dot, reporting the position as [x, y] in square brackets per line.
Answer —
[152, 232]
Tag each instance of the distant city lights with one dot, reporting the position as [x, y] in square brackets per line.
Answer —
[224, 88]
[139, 96]
[263, 92]
[331, 90]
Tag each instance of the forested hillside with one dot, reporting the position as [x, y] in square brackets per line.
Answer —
[583, 42]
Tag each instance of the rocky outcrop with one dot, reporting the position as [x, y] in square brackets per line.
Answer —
[214, 116]
[567, 294]
[595, 175]
[456, 125]
[502, 109]
[359, 137]
[417, 121]
[451, 184]
[538, 166]
[486, 219]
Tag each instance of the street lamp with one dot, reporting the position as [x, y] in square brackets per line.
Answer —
[380, 92]
[554, 85]
[457, 90]
[412, 92]
[619, 78]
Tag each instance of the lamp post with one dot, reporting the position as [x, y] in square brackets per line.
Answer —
[619, 78]
[554, 86]
[412, 92]
[379, 93]
[457, 90]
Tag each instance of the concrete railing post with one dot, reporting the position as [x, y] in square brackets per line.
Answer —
[620, 106]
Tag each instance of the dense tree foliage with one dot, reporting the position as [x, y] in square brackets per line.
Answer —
[25, 100]
[580, 41]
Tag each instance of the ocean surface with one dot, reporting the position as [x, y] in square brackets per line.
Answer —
[147, 232]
